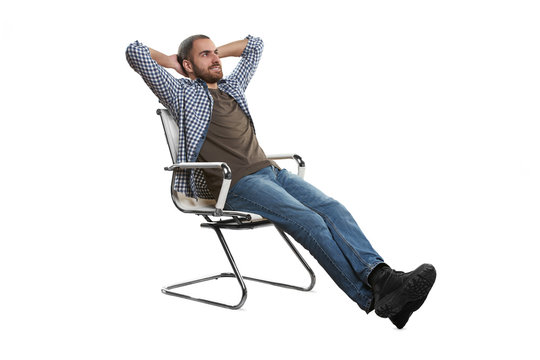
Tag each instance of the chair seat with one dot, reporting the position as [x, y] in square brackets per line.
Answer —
[207, 207]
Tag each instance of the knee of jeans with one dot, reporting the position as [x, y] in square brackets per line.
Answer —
[309, 227]
[334, 206]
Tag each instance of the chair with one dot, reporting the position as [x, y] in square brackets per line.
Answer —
[230, 220]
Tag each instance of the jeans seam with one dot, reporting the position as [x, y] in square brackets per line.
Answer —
[344, 240]
[310, 235]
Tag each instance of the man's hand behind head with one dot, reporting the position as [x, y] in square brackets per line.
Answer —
[174, 64]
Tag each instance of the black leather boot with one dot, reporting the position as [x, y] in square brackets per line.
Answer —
[397, 294]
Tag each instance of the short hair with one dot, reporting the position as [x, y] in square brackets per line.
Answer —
[184, 50]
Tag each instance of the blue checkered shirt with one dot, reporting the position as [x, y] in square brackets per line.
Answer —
[190, 102]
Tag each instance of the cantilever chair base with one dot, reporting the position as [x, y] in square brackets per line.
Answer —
[217, 226]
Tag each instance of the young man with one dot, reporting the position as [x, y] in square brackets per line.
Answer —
[215, 125]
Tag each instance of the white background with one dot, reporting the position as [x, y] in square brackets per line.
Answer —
[420, 116]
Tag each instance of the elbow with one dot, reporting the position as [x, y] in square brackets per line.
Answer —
[135, 53]
[258, 44]
[132, 48]
[254, 45]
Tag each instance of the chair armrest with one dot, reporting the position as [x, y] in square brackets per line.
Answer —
[299, 161]
[227, 177]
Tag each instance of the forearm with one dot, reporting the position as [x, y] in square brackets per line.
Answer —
[235, 48]
[161, 59]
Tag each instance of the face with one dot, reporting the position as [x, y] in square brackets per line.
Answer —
[206, 63]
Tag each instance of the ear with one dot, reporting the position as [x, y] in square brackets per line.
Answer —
[187, 66]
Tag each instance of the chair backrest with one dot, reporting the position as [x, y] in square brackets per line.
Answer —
[171, 132]
[182, 202]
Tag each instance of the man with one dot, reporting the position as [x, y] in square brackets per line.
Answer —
[215, 125]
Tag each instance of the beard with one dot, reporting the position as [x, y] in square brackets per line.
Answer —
[208, 76]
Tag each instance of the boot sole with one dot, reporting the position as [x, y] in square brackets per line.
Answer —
[416, 289]
[402, 317]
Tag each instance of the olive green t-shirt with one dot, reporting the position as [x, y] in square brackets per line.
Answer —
[230, 139]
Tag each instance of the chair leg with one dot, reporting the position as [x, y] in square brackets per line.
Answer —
[167, 289]
[236, 274]
[300, 258]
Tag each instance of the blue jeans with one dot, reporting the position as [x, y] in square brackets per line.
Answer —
[319, 223]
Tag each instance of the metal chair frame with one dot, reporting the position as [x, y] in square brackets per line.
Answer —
[232, 220]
